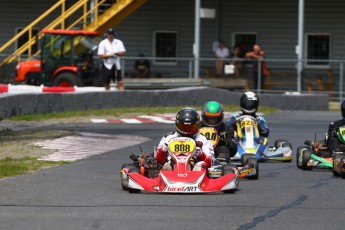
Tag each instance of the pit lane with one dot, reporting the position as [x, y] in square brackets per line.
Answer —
[87, 194]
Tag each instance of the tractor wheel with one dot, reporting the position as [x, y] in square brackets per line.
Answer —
[306, 156]
[67, 80]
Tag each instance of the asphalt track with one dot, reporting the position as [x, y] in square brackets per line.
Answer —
[87, 194]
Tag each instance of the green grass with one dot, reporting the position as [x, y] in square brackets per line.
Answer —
[13, 167]
[121, 112]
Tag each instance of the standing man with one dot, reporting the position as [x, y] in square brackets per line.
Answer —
[110, 50]
[257, 55]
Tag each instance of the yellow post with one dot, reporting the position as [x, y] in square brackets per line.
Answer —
[63, 9]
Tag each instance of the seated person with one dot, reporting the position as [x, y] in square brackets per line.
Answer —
[142, 67]
[332, 141]
[249, 103]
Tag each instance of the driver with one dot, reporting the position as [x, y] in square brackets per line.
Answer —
[249, 103]
[212, 116]
[332, 141]
[187, 125]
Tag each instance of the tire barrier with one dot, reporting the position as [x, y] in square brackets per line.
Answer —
[30, 103]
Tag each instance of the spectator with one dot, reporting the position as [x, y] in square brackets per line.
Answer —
[221, 53]
[257, 55]
[110, 50]
[235, 55]
[142, 67]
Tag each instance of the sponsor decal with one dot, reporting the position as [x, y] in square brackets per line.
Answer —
[182, 189]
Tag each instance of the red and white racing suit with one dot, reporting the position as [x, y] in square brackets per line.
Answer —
[204, 150]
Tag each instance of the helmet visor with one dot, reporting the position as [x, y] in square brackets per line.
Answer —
[187, 128]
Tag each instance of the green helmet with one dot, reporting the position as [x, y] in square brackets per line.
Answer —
[212, 114]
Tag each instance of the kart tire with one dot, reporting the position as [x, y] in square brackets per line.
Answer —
[223, 154]
[278, 143]
[229, 169]
[287, 144]
[67, 80]
[131, 168]
[254, 161]
[306, 156]
[133, 190]
[299, 153]
[245, 157]
[335, 157]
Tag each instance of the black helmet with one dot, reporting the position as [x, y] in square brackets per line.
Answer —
[187, 122]
[342, 108]
[212, 114]
[249, 103]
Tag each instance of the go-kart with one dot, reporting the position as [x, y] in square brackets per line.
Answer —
[179, 175]
[249, 167]
[249, 141]
[313, 154]
[316, 154]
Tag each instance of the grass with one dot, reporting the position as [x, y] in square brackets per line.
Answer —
[13, 167]
[19, 157]
[119, 112]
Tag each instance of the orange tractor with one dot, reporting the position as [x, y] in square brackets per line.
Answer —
[66, 59]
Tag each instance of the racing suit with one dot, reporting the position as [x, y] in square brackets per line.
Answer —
[226, 138]
[332, 141]
[204, 149]
[262, 125]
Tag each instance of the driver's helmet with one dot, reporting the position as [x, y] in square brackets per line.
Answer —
[187, 122]
[249, 103]
[342, 108]
[212, 114]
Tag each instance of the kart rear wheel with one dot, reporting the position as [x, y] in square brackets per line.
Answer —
[299, 154]
[278, 143]
[287, 145]
[306, 156]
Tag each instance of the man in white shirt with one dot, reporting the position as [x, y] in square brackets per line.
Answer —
[221, 53]
[110, 50]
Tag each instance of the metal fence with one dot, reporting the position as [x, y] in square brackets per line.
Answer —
[318, 76]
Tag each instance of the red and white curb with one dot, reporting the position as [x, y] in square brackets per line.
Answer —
[168, 118]
[142, 119]
[44, 89]
[72, 148]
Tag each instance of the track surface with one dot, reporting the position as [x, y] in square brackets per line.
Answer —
[87, 194]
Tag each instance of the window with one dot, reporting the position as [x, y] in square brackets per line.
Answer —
[25, 38]
[165, 46]
[318, 50]
[245, 41]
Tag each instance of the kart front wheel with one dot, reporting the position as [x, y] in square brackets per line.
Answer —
[229, 169]
[254, 162]
[299, 155]
[334, 159]
[306, 156]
